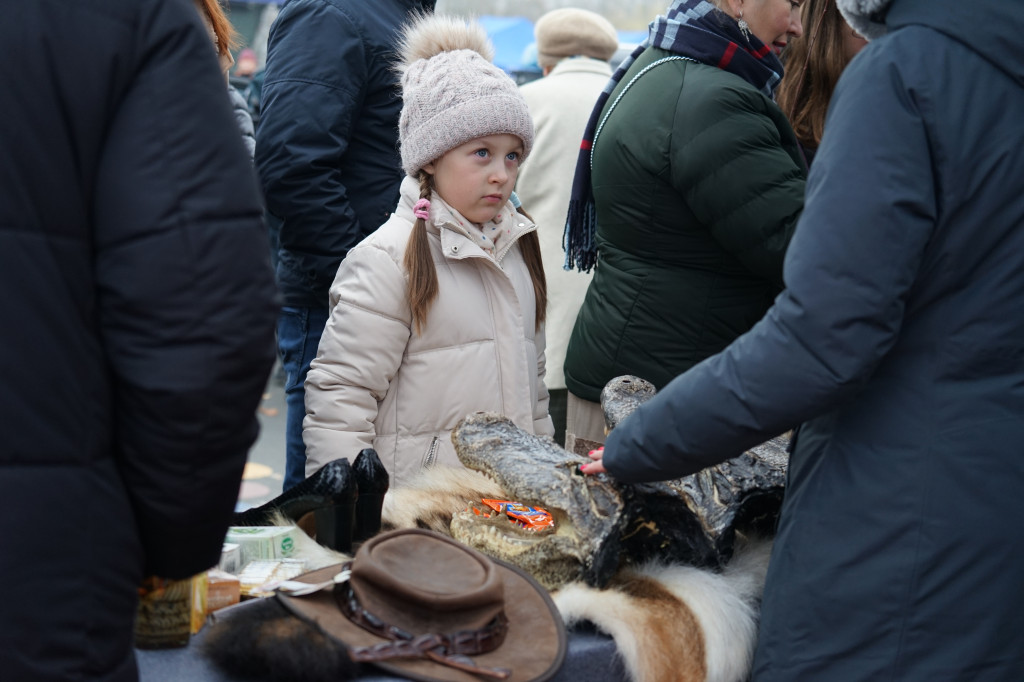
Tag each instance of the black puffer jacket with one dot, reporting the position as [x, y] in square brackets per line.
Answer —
[137, 314]
[327, 143]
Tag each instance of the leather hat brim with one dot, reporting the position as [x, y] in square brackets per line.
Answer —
[534, 646]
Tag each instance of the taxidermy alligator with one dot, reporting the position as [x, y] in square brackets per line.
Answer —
[599, 522]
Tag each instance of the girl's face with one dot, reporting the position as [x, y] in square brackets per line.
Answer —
[476, 178]
[774, 22]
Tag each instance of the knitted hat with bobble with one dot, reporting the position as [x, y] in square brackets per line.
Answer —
[452, 93]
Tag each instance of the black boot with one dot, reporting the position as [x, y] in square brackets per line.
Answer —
[373, 481]
[331, 485]
[334, 520]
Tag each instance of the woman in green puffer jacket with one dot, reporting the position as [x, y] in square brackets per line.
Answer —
[696, 182]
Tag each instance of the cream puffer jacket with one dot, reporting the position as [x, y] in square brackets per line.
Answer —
[375, 383]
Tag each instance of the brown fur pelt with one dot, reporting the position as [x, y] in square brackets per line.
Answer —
[678, 623]
[270, 644]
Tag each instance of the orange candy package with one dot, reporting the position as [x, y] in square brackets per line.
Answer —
[529, 518]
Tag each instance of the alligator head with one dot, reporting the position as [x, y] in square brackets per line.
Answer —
[600, 521]
[589, 511]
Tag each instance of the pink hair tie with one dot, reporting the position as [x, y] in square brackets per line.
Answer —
[422, 209]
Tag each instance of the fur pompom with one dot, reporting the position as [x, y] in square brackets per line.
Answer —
[429, 35]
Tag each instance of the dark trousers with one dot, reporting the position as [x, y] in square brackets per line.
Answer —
[557, 409]
[298, 337]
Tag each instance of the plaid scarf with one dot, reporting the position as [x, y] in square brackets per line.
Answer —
[691, 28]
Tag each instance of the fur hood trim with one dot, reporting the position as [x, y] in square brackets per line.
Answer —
[866, 17]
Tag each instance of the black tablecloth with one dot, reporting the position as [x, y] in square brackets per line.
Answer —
[591, 656]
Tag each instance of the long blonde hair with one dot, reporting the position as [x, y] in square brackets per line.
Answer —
[422, 287]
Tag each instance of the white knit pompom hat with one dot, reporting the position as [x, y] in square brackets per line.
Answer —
[452, 93]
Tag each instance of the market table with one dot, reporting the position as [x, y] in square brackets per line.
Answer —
[591, 656]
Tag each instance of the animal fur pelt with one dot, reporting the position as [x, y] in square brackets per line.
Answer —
[678, 623]
[271, 645]
[431, 498]
[670, 623]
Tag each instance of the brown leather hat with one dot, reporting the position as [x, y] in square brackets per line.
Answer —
[421, 605]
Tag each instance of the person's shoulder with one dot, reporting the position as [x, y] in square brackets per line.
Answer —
[317, 12]
[912, 63]
[717, 94]
[389, 239]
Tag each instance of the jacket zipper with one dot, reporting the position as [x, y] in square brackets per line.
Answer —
[428, 461]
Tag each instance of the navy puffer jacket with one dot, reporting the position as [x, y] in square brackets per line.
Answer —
[327, 142]
[899, 342]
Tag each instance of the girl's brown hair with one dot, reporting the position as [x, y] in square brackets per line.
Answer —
[814, 62]
[422, 288]
[227, 37]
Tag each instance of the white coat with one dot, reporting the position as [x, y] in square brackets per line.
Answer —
[375, 383]
[560, 104]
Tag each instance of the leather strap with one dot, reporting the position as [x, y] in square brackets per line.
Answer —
[451, 649]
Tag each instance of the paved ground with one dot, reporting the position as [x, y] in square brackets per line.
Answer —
[264, 472]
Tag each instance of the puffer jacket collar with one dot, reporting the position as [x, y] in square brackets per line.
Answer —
[581, 65]
[456, 242]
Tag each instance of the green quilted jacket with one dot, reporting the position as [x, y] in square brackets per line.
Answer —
[698, 182]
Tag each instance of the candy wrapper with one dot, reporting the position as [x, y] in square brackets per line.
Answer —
[529, 518]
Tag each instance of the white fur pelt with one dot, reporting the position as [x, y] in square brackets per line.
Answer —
[675, 623]
[433, 496]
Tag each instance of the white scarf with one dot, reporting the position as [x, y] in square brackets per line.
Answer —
[866, 17]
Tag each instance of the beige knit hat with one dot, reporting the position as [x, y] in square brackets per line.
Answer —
[452, 93]
[570, 32]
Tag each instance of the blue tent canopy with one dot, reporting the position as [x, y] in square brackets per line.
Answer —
[632, 37]
[510, 36]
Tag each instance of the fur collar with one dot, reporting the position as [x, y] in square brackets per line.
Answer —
[866, 17]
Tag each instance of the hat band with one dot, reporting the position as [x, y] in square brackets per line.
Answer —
[451, 649]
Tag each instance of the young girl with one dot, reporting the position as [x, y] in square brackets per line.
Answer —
[439, 312]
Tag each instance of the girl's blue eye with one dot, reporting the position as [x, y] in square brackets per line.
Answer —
[512, 156]
[482, 153]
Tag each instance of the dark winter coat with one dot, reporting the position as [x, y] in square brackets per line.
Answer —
[137, 322]
[243, 119]
[900, 342]
[699, 182]
[327, 142]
